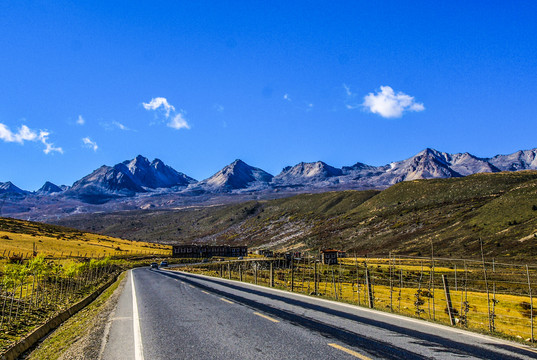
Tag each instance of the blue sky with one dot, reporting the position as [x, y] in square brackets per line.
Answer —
[270, 82]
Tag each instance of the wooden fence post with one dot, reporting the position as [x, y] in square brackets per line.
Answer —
[240, 272]
[491, 319]
[448, 301]
[334, 284]
[292, 274]
[271, 278]
[229, 271]
[531, 302]
[315, 279]
[369, 289]
[255, 271]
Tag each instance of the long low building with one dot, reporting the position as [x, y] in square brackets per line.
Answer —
[207, 251]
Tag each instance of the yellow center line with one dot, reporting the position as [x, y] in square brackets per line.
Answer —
[350, 352]
[205, 292]
[226, 300]
[266, 317]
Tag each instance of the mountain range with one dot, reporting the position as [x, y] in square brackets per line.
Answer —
[141, 182]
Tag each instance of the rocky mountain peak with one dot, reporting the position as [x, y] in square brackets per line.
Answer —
[237, 175]
[9, 188]
[49, 188]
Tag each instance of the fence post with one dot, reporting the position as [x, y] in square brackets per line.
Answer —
[391, 283]
[531, 302]
[334, 284]
[448, 301]
[229, 270]
[491, 319]
[240, 273]
[292, 273]
[221, 271]
[255, 271]
[369, 290]
[400, 287]
[316, 285]
[271, 278]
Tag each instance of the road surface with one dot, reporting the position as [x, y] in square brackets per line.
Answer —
[175, 315]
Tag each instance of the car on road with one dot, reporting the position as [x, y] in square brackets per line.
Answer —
[153, 265]
[163, 264]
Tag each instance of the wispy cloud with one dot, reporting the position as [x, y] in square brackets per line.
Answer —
[120, 126]
[89, 143]
[49, 147]
[178, 122]
[286, 97]
[157, 103]
[350, 102]
[80, 120]
[27, 134]
[389, 104]
[219, 108]
[347, 90]
[176, 119]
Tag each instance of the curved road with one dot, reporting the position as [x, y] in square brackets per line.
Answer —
[175, 315]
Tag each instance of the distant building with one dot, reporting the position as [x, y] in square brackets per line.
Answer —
[207, 251]
[329, 256]
[265, 252]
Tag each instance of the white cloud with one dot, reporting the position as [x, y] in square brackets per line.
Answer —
[80, 120]
[286, 97]
[120, 126]
[388, 104]
[219, 108]
[26, 134]
[347, 90]
[158, 102]
[49, 147]
[90, 144]
[178, 122]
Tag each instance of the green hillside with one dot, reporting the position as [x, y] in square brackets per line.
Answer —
[452, 213]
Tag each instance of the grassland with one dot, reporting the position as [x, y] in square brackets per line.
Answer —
[21, 237]
[407, 218]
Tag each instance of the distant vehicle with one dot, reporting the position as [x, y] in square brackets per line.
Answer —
[153, 265]
[163, 264]
[240, 258]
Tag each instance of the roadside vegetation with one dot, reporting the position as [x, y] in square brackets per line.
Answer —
[45, 269]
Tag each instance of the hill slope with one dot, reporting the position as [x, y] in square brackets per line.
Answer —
[500, 208]
[18, 236]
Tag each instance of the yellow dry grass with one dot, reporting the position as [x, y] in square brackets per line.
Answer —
[83, 244]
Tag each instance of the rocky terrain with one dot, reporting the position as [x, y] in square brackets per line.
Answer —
[143, 184]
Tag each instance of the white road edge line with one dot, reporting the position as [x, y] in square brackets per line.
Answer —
[367, 310]
[138, 348]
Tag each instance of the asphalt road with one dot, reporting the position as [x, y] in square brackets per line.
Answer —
[176, 315]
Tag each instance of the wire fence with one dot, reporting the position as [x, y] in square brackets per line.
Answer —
[34, 290]
[485, 296]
